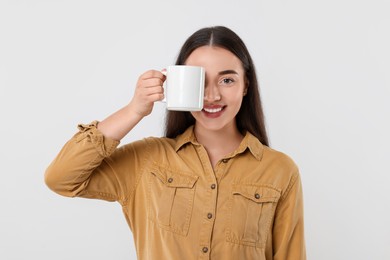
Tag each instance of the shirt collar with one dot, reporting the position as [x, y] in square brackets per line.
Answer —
[249, 142]
[187, 137]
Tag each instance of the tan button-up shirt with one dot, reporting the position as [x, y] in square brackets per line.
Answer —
[178, 207]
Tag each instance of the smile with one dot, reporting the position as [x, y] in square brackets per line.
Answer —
[213, 110]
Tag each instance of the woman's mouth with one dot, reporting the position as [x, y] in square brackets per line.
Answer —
[213, 111]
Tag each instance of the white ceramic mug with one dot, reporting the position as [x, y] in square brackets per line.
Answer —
[184, 88]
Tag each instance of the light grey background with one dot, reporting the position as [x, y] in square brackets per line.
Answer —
[325, 83]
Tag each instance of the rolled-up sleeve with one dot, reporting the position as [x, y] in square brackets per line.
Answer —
[288, 230]
[91, 166]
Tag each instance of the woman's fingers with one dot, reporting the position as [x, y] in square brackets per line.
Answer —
[149, 89]
[151, 82]
[152, 74]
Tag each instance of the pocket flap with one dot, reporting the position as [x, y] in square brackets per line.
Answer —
[258, 194]
[174, 178]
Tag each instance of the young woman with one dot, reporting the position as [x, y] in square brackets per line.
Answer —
[210, 189]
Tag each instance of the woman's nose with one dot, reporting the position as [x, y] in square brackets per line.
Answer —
[211, 93]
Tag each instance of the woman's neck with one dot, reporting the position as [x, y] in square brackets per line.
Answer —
[218, 143]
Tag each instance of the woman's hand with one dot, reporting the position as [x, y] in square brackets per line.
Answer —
[149, 89]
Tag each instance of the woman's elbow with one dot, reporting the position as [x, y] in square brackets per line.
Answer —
[55, 179]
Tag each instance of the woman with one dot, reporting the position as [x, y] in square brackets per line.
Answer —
[210, 189]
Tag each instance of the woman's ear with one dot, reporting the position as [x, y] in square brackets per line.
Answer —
[246, 86]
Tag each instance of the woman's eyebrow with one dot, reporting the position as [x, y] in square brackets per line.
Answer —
[224, 72]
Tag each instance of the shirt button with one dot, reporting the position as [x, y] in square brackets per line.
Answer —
[170, 180]
[205, 249]
[209, 216]
[257, 196]
[225, 160]
[213, 186]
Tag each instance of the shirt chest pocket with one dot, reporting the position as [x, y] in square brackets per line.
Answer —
[252, 209]
[170, 199]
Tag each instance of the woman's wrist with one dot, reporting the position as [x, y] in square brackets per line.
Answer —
[119, 124]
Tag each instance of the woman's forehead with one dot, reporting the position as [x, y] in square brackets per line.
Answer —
[214, 58]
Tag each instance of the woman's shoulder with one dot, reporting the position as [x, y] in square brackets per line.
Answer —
[150, 144]
[282, 171]
[156, 142]
[279, 159]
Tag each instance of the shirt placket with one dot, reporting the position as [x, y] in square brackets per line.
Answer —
[210, 201]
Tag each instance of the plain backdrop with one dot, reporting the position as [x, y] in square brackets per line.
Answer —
[324, 72]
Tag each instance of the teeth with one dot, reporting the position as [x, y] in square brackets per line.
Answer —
[213, 110]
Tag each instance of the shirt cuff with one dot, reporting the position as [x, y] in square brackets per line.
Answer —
[104, 146]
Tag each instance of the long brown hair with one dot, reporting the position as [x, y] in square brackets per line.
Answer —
[250, 117]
